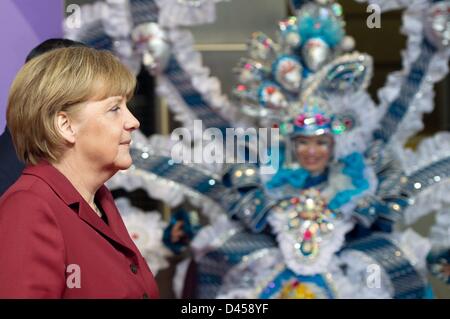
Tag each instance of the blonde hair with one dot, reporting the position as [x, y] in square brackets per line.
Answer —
[58, 81]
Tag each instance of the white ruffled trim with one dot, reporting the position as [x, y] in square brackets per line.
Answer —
[329, 245]
[357, 264]
[156, 188]
[149, 228]
[180, 110]
[432, 199]
[159, 188]
[90, 13]
[213, 236]
[116, 20]
[429, 150]
[174, 13]
[182, 113]
[118, 25]
[413, 20]
[367, 116]
[119, 22]
[247, 279]
[343, 288]
[435, 197]
[163, 145]
[388, 5]
[209, 87]
[160, 144]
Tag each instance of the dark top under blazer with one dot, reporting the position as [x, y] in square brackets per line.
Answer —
[10, 166]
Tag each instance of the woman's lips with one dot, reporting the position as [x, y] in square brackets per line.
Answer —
[311, 160]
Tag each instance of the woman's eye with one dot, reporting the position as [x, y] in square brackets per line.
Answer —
[115, 108]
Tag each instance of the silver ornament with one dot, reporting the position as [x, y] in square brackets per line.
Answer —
[288, 36]
[288, 73]
[250, 72]
[437, 26]
[348, 43]
[261, 47]
[271, 97]
[152, 42]
[316, 53]
[347, 74]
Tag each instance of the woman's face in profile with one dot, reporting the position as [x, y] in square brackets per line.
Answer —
[314, 152]
[103, 133]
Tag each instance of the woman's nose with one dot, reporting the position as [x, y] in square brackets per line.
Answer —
[312, 150]
[131, 122]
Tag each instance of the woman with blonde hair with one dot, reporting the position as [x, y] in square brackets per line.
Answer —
[61, 235]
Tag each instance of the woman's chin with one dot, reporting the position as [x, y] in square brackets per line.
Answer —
[123, 163]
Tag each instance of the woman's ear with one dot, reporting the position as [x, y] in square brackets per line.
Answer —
[65, 127]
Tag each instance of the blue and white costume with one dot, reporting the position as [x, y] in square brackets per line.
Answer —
[258, 245]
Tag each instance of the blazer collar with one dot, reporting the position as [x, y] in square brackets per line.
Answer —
[71, 197]
[56, 180]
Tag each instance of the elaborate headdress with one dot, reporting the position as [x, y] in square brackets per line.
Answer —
[303, 82]
[316, 119]
[272, 78]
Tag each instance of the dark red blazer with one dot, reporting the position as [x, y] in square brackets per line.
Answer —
[53, 245]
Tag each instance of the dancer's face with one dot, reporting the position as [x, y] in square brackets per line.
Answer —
[314, 152]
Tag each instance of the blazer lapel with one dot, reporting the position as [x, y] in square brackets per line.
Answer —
[86, 213]
[115, 222]
[69, 195]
